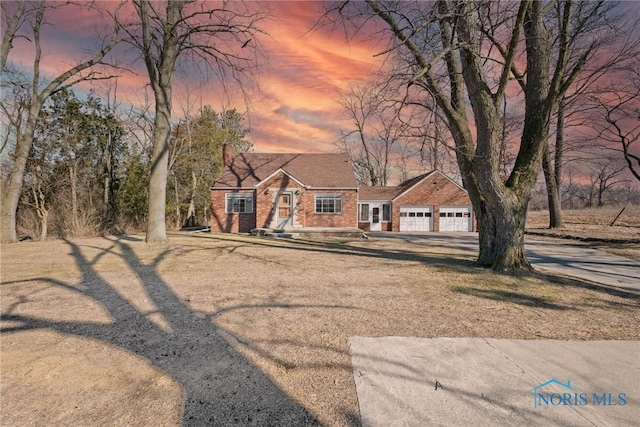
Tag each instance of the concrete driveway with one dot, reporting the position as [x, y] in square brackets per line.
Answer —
[559, 258]
[408, 381]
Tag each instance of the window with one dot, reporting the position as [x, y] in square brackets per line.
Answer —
[239, 203]
[328, 203]
[386, 212]
[363, 212]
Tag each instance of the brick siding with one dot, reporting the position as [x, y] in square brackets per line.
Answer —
[435, 190]
[230, 222]
[348, 217]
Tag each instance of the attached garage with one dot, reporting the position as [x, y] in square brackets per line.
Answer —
[455, 218]
[416, 218]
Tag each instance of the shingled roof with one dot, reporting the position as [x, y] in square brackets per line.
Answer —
[378, 194]
[246, 170]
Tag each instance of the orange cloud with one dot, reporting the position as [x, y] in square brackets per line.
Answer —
[296, 107]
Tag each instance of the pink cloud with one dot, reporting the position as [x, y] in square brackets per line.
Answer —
[296, 107]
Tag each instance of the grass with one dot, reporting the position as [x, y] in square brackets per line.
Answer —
[592, 227]
[215, 327]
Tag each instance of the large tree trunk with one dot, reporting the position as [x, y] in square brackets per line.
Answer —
[156, 227]
[11, 196]
[501, 235]
[161, 78]
[500, 206]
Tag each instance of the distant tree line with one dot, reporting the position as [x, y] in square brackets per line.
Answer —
[87, 174]
[73, 166]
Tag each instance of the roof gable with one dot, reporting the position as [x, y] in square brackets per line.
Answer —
[248, 170]
[410, 184]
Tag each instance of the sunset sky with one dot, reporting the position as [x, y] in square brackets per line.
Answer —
[293, 108]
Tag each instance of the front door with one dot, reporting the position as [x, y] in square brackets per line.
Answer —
[285, 210]
[375, 219]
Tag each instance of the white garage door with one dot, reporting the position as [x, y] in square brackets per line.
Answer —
[416, 218]
[455, 218]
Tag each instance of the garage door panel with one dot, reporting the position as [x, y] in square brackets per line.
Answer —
[455, 218]
[416, 218]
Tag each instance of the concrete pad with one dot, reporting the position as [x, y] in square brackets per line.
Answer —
[490, 382]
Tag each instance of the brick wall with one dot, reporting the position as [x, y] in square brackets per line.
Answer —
[230, 222]
[348, 217]
[435, 190]
[265, 205]
[266, 201]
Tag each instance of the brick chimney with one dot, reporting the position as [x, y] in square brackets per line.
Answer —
[227, 154]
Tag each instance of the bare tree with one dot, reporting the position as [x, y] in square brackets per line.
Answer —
[14, 16]
[389, 133]
[40, 92]
[369, 145]
[613, 41]
[620, 108]
[450, 49]
[604, 174]
[221, 35]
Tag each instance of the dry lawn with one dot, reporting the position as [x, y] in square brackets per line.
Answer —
[592, 227]
[235, 330]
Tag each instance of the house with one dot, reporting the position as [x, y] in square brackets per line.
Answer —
[298, 191]
[283, 191]
[429, 202]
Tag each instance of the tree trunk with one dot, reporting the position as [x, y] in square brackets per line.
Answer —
[108, 182]
[11, 196]
[73, 180]
[191, 212]
[501, 235]
[177, 197]
[553, 193]
[41, 211]
[156, 227]
[553, 175]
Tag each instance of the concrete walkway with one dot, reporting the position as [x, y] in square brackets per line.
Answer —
[559, 258]
[492, 382]
[405, 381]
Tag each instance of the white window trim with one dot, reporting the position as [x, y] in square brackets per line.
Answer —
[248, 202]
[327, 195]
[360, 218]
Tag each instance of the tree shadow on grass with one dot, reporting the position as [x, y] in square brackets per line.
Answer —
[510, 296]
[455, 262]
[221, 387]
[443, 261]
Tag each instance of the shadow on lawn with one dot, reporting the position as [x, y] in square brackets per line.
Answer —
[221, 387]
[443, 261]
[510, 296]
